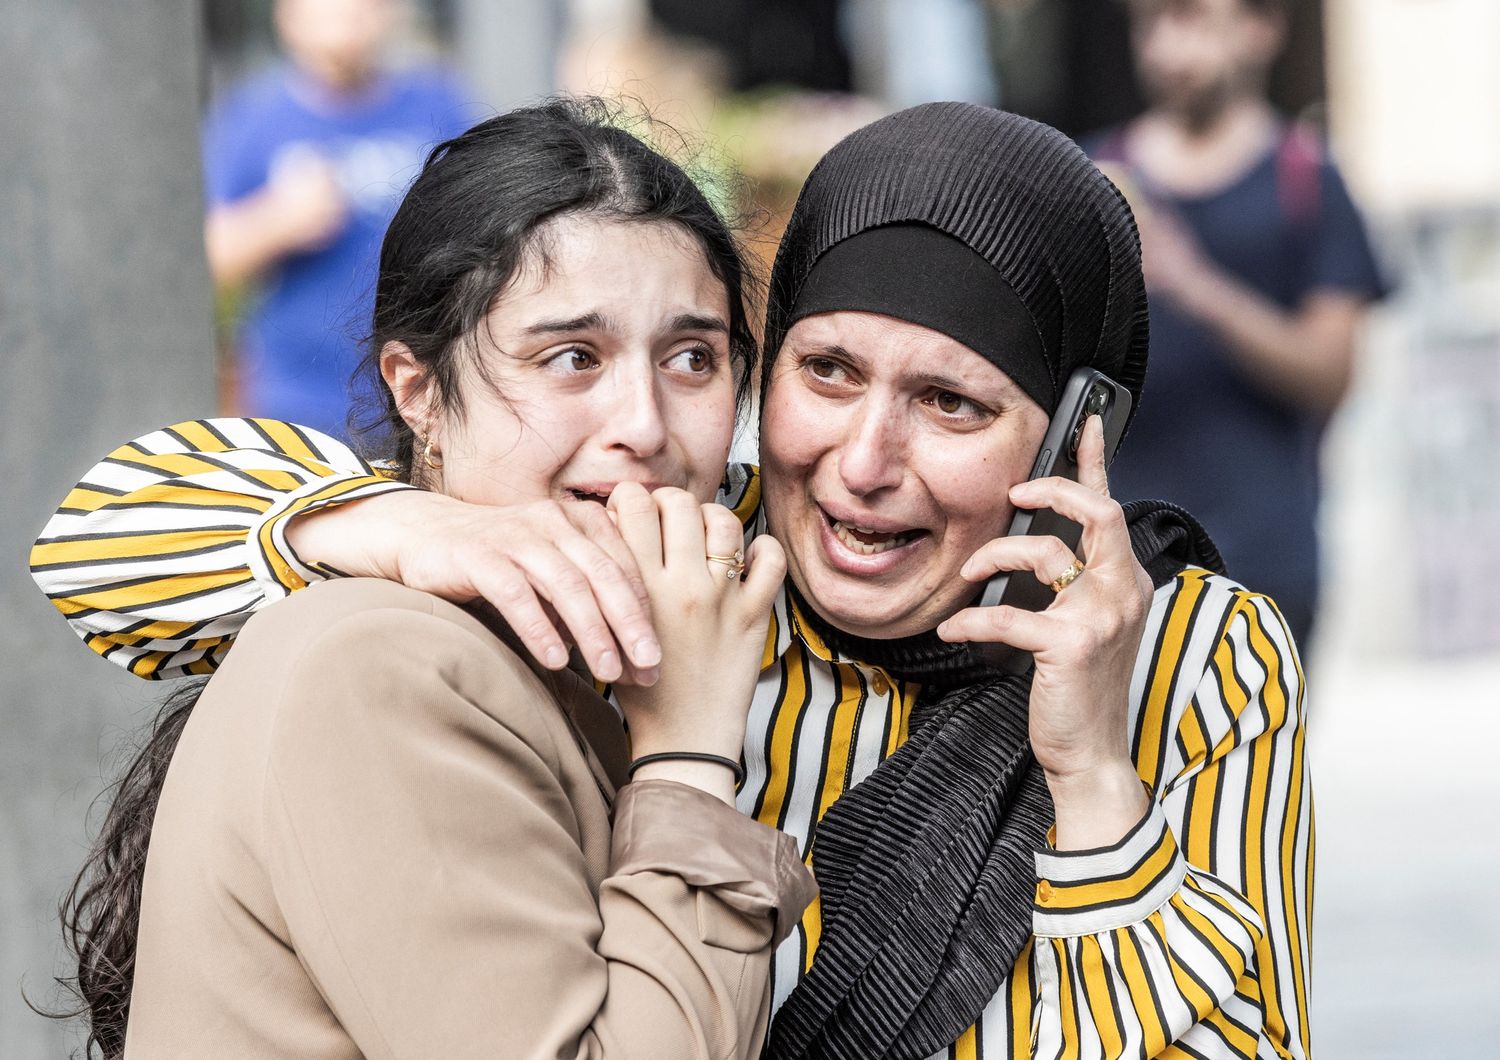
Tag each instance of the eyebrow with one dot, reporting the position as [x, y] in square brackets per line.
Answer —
[935, 381]
[587, 322]
[596, 321]
[945, 382]
[697, 322]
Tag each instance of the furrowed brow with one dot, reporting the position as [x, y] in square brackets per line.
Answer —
[697, 322]
[942, 382]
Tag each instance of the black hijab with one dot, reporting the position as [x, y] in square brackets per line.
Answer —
[997, 231]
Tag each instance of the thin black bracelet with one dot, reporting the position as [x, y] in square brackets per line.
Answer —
[690, 756]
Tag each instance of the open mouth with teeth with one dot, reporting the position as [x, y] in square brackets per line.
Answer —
[867, 541]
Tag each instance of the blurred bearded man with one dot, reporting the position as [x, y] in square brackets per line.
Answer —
[1260, 272]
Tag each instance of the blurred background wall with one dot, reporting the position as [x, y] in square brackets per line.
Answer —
[105, 326]
[105, 313]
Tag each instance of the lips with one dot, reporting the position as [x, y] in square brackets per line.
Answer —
[584, 495]
[598, 492]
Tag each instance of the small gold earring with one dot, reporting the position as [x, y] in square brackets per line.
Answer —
[435, 465]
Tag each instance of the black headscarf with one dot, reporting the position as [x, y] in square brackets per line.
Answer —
[1041, 268]
[997, 231]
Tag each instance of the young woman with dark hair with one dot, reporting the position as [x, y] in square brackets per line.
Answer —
[559, 317]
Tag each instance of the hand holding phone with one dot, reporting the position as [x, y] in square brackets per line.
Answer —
[1088, 393]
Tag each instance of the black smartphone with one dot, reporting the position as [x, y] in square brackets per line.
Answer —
[1087, 393]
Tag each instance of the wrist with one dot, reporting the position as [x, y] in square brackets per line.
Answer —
[656, 739]
[1098, 805]
[362, 537]
[711, 778]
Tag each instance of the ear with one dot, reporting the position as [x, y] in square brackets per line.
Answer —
[410, 385]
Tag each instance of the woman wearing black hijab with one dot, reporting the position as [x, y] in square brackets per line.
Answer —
[996, 880]
[944, 272]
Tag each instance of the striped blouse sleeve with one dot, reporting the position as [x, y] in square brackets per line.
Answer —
[167, 546]
[1189, 938]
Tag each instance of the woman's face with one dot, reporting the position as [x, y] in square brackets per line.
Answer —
[888, 453]
[605, 360]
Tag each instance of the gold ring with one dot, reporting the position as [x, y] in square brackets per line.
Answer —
[735, 563]
[1067, 577]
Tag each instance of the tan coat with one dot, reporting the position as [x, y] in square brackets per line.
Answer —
[384, 834]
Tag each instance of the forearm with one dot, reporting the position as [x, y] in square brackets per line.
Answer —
[1167, 935]
[360, 539]
[697, 900]
[1304, 358]
[244, 239]
[166, 547]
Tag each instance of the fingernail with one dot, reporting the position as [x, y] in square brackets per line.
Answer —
[609, 663]
[646, 652]
[557, 657]
[647, 678]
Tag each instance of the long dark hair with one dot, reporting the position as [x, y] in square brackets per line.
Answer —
[458, 237]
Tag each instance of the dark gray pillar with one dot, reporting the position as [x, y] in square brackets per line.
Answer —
[105, 333]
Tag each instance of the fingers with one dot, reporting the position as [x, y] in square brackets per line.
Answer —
[510, 592]
[1092, 470]
[1046, 557]
[765, 569]
[682, 533]
[639, 524]
[1032, 631]
[1105, 537]
[615, 578]
[722, 536]
[563, 584]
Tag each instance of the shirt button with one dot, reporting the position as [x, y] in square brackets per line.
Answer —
[1044, 892]
[881, 685]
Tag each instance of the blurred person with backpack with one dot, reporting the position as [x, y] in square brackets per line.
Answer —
[1260, 272]
[303, 167]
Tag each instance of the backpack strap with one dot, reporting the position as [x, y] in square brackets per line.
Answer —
[1112, 148]
[1299, 175]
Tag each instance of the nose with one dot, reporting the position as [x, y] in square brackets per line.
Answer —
[637, 422]
[873, 455]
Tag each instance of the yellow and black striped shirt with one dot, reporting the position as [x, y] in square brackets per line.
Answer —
[1189, 938]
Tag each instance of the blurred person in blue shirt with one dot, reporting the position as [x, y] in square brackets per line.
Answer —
[304, 166]
[1259, 271]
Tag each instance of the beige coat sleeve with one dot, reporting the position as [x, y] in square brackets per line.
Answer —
[425, 848]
